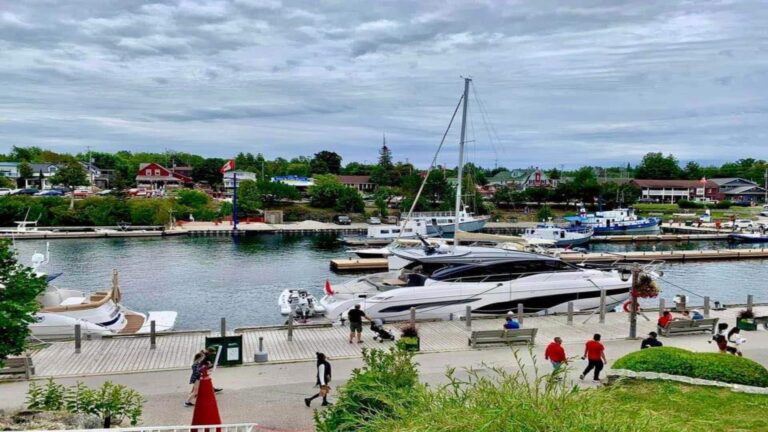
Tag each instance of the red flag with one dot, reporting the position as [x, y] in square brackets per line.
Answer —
[328, 289]
[229, 166]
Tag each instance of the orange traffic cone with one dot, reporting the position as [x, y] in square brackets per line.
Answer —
[206, 408]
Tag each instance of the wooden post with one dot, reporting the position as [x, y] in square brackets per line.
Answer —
[27, 369]
[223, 327]
[152, 335]
[290, 327]
[750, 302]
[633, 305]
[662, 306]
[570, 313]
[261, 343]
[78, 339]
[468, 317]
[706, 307]
[602, 306]
[682, 306]
[520, 310]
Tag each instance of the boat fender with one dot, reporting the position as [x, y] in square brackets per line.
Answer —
[628, 304]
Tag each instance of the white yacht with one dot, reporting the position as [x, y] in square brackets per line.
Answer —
[561, 236]
[98, 313]
[445, 222]
[385, 234]
[538, 282]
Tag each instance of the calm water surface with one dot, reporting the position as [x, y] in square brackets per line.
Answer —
[205, 278]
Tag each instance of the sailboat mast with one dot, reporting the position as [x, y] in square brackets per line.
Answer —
[461, 157]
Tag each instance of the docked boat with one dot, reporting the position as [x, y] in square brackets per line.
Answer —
[385, 234]
[616, 222]
[445, 222]
[98, 313]
[754, 237]
[299, 303]
[25, 227]
[572, 235]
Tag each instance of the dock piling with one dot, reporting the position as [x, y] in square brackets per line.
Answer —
[661, 306]
[570, 313]
[750, 302]
[223, 327]
[520, 310]
[413, 316]
[152, 335]
[602, 306]
[78, 338]
[706, 306]
[468, 317]
[260, 356]
[290, 327]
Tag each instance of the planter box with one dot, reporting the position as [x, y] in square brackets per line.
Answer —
[410, 343]
[746, 324]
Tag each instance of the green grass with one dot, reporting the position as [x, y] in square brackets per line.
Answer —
[683, 408]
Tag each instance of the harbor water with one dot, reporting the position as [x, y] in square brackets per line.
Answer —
[206, 278]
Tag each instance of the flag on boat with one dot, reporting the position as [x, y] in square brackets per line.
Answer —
[229, 166]
[328, 289]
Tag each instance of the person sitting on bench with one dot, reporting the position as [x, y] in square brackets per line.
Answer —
[511, 323]
[665, 319]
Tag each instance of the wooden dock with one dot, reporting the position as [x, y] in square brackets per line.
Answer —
[359, 264]
[676, 255]
[658, 237]
[175, 350]
[57, 235]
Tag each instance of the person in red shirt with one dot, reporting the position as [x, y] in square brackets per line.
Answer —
[594, 353]
[664, 319]
[555, 353]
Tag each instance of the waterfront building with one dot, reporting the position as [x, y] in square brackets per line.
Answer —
[360, 182]
[739, 189]
[42, 175]
[155, 176]
[9, 169]
[522, 179]
[229, 179]
[672, 191]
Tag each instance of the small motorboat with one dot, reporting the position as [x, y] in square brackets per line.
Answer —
[749, 237]
[300, 303]
[382, 252]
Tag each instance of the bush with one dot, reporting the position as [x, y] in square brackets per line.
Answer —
[710, 366]
[685, 204]
[723, 205]
[386, 382]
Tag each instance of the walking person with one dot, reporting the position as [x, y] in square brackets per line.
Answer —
[356, 316]
[594, 353]
[198, 363]
[555, 353]
[323, 380]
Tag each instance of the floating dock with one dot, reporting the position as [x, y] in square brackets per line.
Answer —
[658, 237]
[51, 235]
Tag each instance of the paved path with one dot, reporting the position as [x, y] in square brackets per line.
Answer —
[271, 394]
[175, 351]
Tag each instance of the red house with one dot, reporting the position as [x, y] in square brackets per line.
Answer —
[155, 176]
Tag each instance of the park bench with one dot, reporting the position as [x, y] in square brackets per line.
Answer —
[18, 366]
[502, 336]
[689, 326]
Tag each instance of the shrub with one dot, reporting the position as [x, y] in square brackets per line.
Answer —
[710, 366]
[685, 204]
[386, 382]
[723, 205]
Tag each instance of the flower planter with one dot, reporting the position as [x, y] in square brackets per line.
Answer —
[747, 324]
[409, 343]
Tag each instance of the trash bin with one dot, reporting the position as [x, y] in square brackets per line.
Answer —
[231, 348]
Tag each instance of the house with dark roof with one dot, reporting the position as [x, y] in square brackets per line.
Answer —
[361, 183]
[522, 179]
[672, 191]
[739, 189]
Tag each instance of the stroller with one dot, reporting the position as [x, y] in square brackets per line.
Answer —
[382, 334]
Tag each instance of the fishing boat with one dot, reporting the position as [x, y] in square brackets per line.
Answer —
[616, 222]
[385, 234]
[446, 222]
[299, 303]
[99, 313]
[562, 236]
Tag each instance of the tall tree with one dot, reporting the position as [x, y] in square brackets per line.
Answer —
[326, 162]
[248, 197]
[19, 288]
[659, 167]
[70, 175]
[25, 172]
[693, 171]
[383, 173]
[207, 170]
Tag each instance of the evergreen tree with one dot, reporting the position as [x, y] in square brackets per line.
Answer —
[384, 173]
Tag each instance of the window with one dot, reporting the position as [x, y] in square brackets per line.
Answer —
[408, 230]
[385, 231]
[395, 231]
[148, 172]
[157, 172]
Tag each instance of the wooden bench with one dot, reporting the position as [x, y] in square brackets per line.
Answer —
[689, 326]
[18, 366]
[503, 336]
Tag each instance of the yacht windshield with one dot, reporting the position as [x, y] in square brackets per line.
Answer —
[499, 272]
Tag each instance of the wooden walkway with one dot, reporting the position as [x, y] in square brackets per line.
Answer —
[175, 351]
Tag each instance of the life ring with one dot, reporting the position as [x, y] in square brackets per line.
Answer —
[628, 304]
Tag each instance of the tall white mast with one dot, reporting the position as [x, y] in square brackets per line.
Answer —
[461, 158]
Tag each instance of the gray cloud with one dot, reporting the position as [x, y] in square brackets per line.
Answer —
[587, 81]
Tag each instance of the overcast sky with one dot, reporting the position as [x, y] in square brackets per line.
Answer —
[556, 82]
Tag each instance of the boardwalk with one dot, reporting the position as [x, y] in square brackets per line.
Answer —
[131, 354]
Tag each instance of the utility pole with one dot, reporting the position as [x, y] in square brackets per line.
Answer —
[765, 185]
[88, 167]
[633, 298]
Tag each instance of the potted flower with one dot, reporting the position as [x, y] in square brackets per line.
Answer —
[745, 320]
[409, 338]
